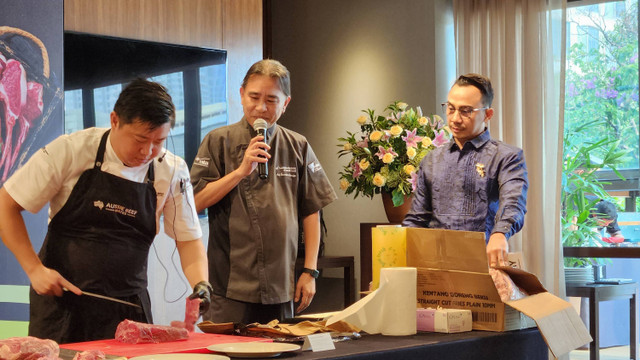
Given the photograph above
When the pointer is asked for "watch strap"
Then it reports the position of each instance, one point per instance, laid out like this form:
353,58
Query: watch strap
313,272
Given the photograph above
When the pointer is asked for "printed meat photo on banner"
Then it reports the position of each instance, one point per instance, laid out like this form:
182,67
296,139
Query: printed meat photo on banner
29,91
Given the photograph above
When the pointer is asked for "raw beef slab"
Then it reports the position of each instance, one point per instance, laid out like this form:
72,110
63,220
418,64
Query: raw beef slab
132,332
28,348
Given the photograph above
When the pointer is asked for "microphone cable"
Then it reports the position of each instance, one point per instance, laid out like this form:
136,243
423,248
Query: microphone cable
186,285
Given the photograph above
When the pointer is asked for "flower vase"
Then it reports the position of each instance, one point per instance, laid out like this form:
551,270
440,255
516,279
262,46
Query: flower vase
395,214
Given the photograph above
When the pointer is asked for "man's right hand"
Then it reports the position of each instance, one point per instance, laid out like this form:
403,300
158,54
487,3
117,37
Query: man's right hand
46,281
256,152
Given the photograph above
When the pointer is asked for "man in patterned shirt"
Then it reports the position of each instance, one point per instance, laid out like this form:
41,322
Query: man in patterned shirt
473,183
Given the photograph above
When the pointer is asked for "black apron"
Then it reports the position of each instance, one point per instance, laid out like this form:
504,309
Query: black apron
99,241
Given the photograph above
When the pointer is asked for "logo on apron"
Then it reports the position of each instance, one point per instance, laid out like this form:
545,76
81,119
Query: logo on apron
116,208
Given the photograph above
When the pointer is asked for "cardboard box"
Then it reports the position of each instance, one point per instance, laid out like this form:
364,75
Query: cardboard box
453,273
443,320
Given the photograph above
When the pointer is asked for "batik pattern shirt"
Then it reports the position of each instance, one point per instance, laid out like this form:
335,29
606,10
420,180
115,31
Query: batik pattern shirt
481,187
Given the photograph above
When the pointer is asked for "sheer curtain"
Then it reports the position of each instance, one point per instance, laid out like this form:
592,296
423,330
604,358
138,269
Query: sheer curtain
519,45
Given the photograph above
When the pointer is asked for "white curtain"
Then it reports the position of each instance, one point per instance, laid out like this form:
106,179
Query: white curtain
519,45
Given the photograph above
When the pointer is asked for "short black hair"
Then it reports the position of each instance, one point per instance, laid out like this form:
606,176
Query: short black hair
605,210
481,82
145,101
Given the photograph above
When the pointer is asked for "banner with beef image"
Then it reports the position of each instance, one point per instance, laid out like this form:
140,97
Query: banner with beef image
31,116
29,93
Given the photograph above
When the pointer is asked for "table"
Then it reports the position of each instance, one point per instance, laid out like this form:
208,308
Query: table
525,344
346,262
602,252
605,292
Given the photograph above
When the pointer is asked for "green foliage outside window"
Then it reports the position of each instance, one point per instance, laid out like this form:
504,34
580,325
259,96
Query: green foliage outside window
602,82
601,114
582,159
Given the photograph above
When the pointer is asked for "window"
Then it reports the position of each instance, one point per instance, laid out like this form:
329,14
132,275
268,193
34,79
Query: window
214,104
72,111
98,67
173,82
104,99
601,94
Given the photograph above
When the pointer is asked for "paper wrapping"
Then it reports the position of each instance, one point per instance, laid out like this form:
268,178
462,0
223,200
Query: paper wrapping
390,310
388,249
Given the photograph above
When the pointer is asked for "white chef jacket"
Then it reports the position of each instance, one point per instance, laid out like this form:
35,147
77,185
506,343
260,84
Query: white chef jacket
52,172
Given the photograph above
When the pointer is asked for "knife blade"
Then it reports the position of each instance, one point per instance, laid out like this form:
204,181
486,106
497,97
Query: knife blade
104,297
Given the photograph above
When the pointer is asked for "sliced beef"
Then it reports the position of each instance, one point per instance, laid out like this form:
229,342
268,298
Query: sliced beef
28,348
90,355
132,332
191,315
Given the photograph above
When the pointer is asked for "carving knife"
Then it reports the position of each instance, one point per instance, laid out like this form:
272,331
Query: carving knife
104,297
110,299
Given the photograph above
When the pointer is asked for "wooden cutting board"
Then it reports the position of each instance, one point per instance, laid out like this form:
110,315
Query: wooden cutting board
197,343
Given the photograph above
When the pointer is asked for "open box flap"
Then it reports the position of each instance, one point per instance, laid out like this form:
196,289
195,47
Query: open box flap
560,325
447,250
526,281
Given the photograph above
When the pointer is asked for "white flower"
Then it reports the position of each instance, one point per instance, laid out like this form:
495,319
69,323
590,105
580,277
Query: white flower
402,105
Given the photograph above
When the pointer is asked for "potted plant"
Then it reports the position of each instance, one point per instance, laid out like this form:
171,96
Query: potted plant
384,156
581,189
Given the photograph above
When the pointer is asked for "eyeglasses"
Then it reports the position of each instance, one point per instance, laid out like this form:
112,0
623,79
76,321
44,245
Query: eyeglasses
464,111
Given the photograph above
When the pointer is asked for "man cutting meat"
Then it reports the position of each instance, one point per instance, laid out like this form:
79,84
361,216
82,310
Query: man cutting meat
107,190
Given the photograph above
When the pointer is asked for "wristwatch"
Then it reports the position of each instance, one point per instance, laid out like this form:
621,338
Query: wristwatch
313,272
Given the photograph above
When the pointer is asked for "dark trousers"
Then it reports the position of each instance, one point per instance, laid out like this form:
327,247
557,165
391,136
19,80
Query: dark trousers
228,310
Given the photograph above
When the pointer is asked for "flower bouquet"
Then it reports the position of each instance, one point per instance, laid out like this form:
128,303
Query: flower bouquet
387,151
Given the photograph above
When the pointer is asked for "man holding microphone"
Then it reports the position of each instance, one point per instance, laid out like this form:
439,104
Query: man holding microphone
253,215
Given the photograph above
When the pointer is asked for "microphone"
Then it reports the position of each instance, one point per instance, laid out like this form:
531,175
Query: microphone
260,125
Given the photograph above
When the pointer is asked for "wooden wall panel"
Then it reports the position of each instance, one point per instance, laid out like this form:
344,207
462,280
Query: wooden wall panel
244,44
188,22
234,25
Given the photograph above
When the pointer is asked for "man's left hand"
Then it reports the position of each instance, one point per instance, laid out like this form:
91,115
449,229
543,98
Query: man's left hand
497,250
305,290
